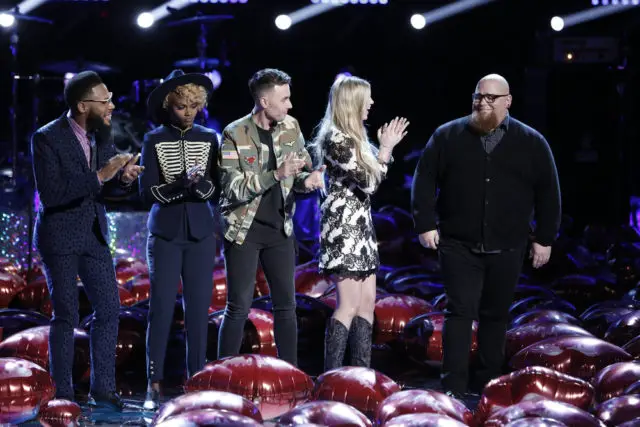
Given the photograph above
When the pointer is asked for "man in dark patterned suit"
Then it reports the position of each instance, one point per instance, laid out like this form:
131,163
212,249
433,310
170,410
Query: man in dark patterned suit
73,158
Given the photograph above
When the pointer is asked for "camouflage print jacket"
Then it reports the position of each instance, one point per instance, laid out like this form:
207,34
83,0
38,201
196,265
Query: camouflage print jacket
243,164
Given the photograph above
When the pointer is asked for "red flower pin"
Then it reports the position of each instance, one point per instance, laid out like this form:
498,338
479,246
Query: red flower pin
250,160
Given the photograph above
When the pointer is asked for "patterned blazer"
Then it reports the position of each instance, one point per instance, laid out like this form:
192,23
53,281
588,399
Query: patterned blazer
167,153
68,187
243,161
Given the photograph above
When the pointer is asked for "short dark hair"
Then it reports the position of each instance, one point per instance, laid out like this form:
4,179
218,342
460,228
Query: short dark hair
79,86
266,79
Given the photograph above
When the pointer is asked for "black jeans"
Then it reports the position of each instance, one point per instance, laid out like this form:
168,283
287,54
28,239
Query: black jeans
478,287
278,263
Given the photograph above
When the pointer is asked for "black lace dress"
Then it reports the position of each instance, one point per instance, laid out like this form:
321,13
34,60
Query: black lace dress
348,245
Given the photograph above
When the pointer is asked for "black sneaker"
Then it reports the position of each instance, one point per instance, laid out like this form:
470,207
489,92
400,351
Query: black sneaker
111,401
151,401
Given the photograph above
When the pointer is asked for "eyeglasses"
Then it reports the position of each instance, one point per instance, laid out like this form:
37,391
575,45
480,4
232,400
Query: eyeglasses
491,98
104,102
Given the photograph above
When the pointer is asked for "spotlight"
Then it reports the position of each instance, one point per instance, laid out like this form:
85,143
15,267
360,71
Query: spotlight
145,20
557,23
283,22
418,21
7,20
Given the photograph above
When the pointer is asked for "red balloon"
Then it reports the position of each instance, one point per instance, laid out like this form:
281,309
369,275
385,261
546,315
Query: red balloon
128,268
536,422
624,329
620,410
60,413
533,383
324,414
525,335
31,296
422,401
423,338
10,266
542,316
24,387
393,312
633,388
633,347
207,400
598,321
310,282
614,379
260,335
273,384
10,285
139,286
209,417
416,285
127,299
219,294
559,411
262,288
423,420
362,388
33,345
580,357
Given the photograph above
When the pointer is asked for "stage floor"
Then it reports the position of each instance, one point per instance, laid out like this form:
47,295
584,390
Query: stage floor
133,415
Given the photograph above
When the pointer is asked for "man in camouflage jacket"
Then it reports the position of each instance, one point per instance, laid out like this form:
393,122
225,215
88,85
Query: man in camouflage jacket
262,159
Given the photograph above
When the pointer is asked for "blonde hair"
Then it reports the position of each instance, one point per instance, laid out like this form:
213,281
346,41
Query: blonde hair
192,93
347,100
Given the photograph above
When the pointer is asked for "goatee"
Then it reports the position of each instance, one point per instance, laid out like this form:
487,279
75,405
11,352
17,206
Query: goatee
484,123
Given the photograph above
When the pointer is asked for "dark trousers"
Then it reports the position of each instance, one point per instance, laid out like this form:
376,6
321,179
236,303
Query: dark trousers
169,260
278,263
94,265
478,287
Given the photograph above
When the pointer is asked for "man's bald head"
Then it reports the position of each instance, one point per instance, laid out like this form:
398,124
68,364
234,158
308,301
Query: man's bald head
496,82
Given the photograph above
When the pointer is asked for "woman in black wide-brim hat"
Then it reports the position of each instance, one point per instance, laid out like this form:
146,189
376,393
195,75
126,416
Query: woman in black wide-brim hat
180,181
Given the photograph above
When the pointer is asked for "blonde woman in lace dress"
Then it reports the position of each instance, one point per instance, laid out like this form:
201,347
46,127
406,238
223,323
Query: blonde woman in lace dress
348,247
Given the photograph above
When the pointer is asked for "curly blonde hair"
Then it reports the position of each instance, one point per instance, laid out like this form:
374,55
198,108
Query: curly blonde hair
190,92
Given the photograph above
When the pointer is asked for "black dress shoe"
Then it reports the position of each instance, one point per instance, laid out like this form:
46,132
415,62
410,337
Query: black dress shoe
152,400
111,401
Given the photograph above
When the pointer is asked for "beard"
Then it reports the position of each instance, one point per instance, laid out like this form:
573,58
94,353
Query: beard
484,122
102,130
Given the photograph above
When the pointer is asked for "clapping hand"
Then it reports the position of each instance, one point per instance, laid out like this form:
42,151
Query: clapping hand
390,134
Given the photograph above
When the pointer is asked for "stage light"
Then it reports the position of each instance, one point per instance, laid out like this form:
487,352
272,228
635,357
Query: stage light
418,21
145,20
7,20
215,77
557,23
283,22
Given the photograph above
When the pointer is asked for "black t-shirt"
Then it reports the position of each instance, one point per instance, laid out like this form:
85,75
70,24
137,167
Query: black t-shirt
268,223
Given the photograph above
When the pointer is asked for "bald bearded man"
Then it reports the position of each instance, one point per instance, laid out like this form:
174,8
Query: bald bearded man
479,182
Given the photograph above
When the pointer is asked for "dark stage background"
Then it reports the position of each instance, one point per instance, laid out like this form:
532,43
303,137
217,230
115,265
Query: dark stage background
588,111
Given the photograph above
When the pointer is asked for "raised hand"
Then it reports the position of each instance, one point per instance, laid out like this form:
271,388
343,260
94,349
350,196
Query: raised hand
390,134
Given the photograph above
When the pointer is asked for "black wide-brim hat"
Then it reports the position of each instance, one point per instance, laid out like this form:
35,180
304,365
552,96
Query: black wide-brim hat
174,79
